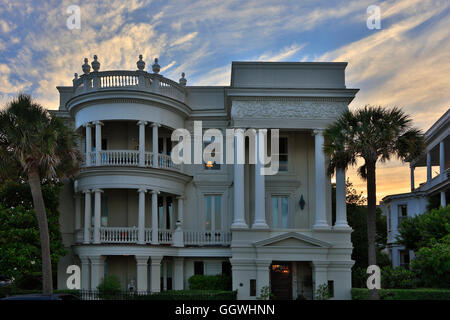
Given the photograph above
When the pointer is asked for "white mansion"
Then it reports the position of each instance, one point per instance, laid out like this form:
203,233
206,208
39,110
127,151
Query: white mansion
397,207
133,213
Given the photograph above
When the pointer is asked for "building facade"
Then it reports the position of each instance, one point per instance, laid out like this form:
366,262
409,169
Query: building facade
131,211
397,207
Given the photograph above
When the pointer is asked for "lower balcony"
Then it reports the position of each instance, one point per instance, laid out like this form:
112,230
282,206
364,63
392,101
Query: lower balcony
130,235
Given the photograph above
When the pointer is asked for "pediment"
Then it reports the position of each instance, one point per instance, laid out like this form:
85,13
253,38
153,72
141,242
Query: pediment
292,239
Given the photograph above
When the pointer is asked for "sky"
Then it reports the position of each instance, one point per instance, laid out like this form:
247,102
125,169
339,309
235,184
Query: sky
405,63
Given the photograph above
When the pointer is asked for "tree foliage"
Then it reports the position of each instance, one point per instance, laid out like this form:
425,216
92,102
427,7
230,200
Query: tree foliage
417,232
20,256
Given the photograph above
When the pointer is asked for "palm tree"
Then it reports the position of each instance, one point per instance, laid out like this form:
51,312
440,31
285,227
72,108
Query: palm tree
42,147
374,134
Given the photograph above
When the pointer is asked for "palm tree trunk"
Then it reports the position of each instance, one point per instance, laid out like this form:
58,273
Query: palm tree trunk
41,216
371,219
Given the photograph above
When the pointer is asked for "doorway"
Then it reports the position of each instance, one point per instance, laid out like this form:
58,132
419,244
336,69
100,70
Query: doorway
281,280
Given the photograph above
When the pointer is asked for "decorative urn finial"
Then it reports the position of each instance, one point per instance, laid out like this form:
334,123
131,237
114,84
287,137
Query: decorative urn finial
75,76
183,80
141,63
95,64
86,67
156,67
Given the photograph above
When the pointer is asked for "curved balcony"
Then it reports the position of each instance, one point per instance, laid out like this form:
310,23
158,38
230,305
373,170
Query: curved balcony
128,80
118,158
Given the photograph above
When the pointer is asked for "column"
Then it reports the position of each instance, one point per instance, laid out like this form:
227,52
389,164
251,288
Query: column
442,157
87,216
77,211
141,125
341,205
98,142
155,144
320,274
155,273
428,166
443,199
178,273
164,275
411,168
239,158
84,273
88,143
97,270
262,274
141,273
178,237
155,217
141,222
97,214
260,196
320,220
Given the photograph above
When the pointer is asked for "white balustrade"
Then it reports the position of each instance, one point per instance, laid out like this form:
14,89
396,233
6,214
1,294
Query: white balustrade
165,236
201,238
118,234
148,235
148,159
119,157
128,80
165,161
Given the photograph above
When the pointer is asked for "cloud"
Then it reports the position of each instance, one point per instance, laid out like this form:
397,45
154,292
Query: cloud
283,55
184,39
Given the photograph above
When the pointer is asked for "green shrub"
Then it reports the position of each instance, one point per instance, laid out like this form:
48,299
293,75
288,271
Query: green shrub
322,292
403,294
216,282
398,278
110,285
432,264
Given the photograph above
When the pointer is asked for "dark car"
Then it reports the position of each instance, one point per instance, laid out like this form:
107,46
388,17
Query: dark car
38,296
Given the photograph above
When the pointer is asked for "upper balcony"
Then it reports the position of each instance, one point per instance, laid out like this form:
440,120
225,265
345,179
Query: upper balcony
138,80
125,95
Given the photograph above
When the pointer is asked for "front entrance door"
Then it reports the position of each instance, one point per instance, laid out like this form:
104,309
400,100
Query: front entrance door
281,280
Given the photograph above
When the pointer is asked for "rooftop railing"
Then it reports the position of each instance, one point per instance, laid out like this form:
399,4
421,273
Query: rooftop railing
138,80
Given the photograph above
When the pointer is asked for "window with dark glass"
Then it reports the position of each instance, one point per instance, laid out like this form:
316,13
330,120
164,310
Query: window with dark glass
283,154
198,267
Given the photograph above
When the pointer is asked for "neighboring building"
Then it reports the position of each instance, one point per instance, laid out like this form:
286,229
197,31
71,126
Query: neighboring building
400,206
132,212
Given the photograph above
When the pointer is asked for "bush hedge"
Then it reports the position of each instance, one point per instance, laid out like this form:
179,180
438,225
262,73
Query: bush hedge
204,282
403,294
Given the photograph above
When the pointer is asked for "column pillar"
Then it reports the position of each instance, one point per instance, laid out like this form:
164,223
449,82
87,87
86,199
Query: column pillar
141,273
164,275
320,219
87,216
341,205
142,125
97,214
97,270
320,274
443,199
411,168
428,166
84,273
155,127
77,211
260,196
155,217
178,237
262,274
141,222
98,142
178,273
239,203
442,157
88,143
155,273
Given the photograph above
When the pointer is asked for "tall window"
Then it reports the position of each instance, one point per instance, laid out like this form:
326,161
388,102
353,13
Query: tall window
211,165
213,212
402,213
165,212
280,212
283,154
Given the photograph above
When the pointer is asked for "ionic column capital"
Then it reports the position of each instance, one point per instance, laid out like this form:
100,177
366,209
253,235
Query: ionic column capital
142,123
97,190
87,191
98,123
88,124
142,190
155,192
155,124
316,132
